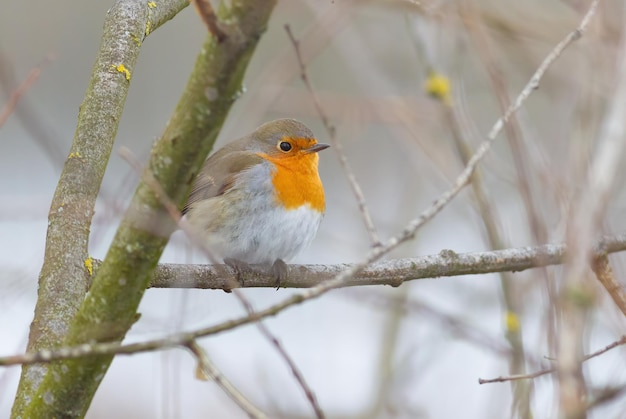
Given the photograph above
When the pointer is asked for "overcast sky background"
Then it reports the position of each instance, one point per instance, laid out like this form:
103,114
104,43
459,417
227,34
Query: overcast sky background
362,59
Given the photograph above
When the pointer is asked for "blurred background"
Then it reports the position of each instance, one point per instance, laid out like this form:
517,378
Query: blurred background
373,352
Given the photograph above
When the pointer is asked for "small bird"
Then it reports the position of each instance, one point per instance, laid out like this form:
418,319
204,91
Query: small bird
260,199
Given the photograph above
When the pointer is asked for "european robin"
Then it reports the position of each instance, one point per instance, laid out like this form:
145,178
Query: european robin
260,199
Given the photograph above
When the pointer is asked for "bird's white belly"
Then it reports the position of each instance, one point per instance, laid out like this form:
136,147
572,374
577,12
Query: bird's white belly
264,236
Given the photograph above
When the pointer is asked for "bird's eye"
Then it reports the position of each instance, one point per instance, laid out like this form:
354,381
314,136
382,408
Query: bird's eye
284,146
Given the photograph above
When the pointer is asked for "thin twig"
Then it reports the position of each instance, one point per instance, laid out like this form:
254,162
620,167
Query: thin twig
21,89
604,273
602,396
206,12
354,184
455,325
206,366
283,353
620,342
489,216
510,297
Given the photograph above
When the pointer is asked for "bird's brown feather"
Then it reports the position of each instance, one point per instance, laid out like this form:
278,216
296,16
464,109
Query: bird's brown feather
218,173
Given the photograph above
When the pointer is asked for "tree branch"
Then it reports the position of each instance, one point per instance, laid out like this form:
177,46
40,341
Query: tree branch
204,8
20,90
604,273
208,371
63,280
585,220
110,308
330,129
621,341
392,272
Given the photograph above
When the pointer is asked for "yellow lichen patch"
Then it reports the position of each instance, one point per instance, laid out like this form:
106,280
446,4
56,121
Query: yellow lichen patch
74,155
136,39
121,68
89,265
438,86
151,5
512,322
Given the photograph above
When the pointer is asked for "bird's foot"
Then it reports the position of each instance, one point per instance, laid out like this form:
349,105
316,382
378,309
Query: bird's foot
240,267
279,270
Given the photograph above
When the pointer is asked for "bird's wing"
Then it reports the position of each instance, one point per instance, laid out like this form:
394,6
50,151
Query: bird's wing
218,174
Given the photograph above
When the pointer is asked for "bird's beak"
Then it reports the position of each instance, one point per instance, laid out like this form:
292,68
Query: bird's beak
316,148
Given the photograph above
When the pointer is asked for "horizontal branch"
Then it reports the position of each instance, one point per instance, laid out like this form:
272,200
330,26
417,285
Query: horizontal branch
390,272
621,341
446,263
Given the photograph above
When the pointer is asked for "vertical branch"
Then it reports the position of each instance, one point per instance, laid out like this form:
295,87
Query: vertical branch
538,228
63,278
513,330
583,226
438,86
109,309
391,337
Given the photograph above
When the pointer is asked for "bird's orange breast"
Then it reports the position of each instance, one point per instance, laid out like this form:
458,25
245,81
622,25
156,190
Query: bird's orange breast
297,181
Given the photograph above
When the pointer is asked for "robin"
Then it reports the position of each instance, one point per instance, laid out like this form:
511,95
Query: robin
260,200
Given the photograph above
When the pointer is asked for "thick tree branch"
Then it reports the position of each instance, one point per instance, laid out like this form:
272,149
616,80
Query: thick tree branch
109,309
63,279
393,272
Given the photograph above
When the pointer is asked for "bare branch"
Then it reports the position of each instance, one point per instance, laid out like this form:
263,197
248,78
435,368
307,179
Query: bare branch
456,326
21,90
620,342
211,372
602,268
206,12
354,184
588,211
446,263
308,392
110,310
63,280
392,272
